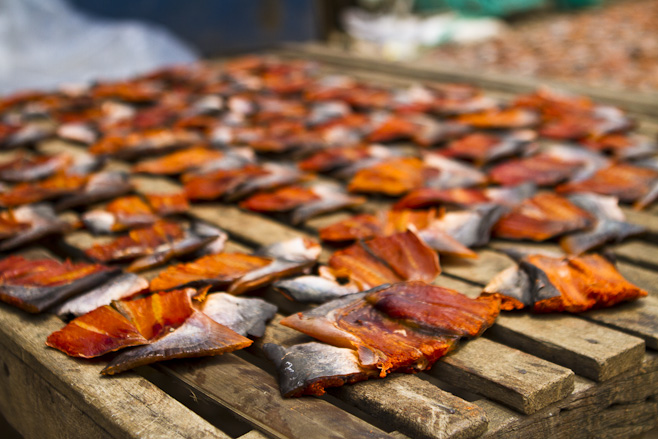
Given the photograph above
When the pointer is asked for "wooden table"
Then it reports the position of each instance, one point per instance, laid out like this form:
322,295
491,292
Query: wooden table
592,375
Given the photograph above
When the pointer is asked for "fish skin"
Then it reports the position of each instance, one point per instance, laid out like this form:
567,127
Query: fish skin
34,169
289,258
278,175
313,289
43,222
199,336
332,198
452,173
245,316
472,227
542,217
309,368
610,226
101,186
36,299
120,287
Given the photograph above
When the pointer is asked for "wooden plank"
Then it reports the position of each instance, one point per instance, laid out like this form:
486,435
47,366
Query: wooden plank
405,402
514,378
623,406
125,406
253,394
639,318
638,252
592,351
35,409
416,407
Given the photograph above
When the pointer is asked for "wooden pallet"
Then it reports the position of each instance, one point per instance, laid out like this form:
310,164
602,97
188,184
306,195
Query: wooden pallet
553,376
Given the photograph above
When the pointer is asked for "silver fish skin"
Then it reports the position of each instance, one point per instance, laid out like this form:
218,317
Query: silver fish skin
453,173
168,251
39,299
101,186
203,230
611,225
294,250
199,336
332,198
513,143
471,227
511,196
301,366
511,282
27,135
612,120
313,289
647,162
35,172
641,147
82,133
590,161
234,158
117,288
431,131
246,316
279,175
43,222
326,111
291,257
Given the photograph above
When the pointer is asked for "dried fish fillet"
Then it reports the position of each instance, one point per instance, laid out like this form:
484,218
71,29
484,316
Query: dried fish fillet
402,327
546,283
36,285
542,217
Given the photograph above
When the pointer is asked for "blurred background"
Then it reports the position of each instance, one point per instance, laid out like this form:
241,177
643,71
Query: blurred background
604,43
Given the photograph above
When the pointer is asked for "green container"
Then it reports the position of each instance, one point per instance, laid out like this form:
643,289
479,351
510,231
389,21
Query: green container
495,8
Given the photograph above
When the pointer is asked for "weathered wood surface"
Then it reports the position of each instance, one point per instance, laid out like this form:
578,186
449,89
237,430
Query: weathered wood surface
253,395
514,378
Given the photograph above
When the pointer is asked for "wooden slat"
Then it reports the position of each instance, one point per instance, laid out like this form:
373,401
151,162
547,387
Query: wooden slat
638,318
592,351
253,394
405,402
638,252
514,378
624,406
125,406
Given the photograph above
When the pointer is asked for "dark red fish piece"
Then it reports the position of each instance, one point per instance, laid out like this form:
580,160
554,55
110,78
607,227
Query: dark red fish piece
542,217
573,284
627,182
151,246
389,259
429,197
216,184
25,168
302,202
27,224
138,144
56,186
333,158
541,169
134,211
482,148
36,285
